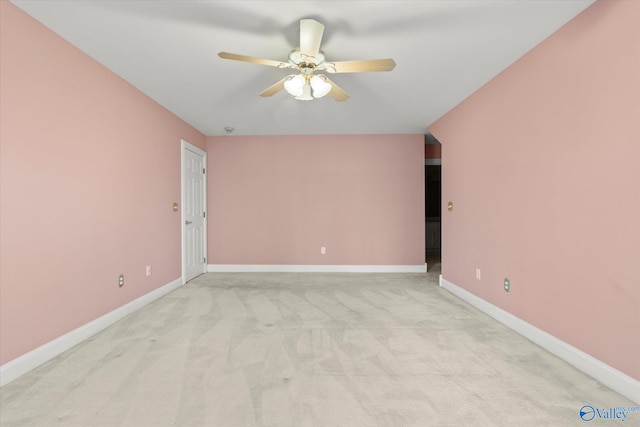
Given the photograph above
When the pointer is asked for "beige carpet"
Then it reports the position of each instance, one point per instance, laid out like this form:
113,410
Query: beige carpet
305,350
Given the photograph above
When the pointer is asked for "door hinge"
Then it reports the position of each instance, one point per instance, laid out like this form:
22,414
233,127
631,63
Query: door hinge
204,214
204,170
205,260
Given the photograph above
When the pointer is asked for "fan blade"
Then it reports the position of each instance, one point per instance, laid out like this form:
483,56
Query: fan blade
244,58
336,91
361,66
275,88
310,36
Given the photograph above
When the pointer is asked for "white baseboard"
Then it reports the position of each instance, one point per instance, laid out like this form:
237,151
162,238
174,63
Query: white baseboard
279,268
607,375
23,364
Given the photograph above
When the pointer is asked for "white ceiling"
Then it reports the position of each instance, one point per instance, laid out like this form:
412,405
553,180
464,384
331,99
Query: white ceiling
444,50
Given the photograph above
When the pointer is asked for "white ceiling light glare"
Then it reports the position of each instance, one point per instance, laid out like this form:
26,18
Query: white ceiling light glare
294,85
320,86
306,93
306,87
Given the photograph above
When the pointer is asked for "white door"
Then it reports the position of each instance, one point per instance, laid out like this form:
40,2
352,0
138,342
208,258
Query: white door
193,212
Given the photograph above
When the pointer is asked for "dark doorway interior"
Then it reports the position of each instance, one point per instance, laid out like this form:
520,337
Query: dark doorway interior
432,209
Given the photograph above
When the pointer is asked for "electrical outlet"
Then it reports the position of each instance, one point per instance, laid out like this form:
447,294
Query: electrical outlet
148,270
121,280
478,274
323,250
507,285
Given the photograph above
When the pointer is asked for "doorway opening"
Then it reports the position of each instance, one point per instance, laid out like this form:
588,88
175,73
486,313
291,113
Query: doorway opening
433,202
432,209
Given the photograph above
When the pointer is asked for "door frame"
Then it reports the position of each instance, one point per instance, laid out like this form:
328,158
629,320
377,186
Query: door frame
184,146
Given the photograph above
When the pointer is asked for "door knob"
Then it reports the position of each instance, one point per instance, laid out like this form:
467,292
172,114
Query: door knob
187,222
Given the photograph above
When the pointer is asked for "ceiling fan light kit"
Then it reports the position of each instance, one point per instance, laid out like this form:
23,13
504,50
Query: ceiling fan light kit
307,87
307,59
294,84
320,86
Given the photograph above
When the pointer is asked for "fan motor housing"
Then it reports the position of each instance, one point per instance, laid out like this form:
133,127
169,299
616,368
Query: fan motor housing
298,59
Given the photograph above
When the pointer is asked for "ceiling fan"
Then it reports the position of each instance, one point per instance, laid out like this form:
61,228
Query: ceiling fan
308,59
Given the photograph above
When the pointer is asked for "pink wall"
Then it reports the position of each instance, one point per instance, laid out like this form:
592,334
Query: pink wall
90,168
278,199
543,167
